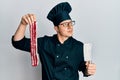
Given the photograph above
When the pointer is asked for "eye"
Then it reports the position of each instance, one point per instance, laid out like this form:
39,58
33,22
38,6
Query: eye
65,24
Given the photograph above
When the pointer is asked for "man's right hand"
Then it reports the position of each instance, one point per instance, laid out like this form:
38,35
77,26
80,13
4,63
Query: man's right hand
28,19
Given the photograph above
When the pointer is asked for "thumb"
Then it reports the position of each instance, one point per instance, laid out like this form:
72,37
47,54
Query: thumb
87,63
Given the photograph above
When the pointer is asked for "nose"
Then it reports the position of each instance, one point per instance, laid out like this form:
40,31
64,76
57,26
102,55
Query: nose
70,26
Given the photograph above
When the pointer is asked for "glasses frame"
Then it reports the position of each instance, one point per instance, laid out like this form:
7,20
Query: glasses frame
66,24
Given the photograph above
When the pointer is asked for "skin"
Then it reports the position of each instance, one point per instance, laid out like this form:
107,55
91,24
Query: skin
63,33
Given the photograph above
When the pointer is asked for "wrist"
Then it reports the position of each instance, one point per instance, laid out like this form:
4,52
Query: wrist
22,25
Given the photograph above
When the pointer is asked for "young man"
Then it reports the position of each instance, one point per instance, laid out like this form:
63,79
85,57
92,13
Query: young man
61,55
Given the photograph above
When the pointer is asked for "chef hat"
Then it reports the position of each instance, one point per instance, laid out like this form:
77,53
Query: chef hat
59,13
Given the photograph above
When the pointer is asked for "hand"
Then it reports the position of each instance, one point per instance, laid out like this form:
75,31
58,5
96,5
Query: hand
25,20
28,19
91,68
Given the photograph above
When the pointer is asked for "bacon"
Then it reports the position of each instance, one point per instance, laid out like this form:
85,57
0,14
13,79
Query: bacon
33,43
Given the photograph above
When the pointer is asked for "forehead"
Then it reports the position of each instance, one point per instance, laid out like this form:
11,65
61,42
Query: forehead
66,21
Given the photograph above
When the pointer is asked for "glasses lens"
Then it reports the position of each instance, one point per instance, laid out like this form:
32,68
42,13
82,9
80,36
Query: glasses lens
72,23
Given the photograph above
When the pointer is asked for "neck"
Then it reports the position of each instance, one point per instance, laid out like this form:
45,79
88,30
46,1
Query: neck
62,39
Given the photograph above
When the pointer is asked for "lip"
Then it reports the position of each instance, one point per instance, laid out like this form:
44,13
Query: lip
69,31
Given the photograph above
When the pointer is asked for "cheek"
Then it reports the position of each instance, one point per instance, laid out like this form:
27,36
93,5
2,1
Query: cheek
63,30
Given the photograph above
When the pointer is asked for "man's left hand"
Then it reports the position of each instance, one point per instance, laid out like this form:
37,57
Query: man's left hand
90,68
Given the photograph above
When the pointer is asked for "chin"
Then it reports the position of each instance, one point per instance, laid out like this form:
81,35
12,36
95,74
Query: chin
69,35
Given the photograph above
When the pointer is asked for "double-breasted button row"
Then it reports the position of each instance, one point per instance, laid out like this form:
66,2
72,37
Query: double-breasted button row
65,57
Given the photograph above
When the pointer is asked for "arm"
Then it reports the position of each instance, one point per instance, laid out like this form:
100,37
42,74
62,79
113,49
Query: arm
25,20
18,40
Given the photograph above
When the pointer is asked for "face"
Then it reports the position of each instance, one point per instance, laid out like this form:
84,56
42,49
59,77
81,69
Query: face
65,28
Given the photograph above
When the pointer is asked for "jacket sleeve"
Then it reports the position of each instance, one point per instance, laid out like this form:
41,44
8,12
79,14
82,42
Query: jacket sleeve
23,44
83,69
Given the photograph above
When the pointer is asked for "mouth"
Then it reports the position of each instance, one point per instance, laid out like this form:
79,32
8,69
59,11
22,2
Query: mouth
69,30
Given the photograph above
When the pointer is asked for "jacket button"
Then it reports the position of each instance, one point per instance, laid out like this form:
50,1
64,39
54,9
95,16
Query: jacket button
58,44
65,68
57,56
66,57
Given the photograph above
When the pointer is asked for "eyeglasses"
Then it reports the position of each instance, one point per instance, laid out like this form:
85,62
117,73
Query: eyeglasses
66,24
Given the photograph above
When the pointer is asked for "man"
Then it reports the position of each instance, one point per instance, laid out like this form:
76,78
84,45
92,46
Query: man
61,55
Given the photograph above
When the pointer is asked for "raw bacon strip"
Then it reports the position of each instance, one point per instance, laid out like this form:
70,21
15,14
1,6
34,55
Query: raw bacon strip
33,43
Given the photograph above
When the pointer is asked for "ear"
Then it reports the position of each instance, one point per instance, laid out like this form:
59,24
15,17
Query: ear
56,28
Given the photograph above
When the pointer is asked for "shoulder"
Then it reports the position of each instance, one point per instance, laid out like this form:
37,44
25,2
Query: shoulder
77,42
45,39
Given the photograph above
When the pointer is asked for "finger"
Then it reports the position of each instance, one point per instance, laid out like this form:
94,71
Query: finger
92,66
24,21
31,16
91,71
34,17
28,19
87,62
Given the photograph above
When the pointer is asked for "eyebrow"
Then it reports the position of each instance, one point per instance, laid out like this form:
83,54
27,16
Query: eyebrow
65,22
